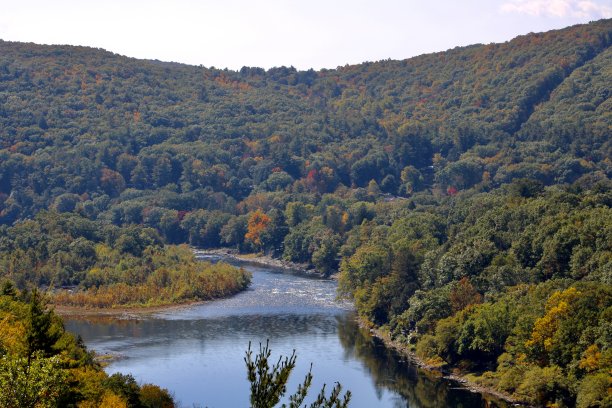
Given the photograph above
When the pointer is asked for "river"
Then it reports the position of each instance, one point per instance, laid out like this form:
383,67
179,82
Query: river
198,352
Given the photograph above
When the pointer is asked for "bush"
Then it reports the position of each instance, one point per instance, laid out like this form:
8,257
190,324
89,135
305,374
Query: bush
594,391
542,385
152,396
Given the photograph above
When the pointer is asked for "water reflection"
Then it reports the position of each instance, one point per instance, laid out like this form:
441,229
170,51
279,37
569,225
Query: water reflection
390,371
198,352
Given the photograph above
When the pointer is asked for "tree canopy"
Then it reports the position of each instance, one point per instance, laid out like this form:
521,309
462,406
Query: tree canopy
464,195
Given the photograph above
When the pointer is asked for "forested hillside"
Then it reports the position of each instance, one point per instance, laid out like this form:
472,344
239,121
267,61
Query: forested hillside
463,195
43,365
81,121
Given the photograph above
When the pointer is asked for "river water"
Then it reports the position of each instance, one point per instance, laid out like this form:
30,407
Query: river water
198,352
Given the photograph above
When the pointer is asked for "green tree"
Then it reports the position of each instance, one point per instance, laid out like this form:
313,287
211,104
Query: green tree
368,263
8,288
65,202
33,382
594,391
296,212
326,251
40,335
126,386
269,384
233,232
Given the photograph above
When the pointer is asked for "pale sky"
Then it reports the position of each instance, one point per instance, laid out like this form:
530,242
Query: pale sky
305,33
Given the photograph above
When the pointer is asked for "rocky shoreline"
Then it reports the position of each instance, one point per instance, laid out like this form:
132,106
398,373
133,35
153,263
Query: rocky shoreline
264,260
443,372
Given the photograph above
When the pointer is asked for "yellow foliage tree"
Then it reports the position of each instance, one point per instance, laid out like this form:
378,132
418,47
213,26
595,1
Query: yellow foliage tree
590,359
111,400
558,306
12,334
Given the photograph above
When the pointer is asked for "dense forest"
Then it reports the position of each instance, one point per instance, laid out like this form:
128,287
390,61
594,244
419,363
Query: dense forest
88,264
464,196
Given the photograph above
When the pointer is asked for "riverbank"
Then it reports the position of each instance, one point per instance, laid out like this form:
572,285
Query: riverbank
137,312
265,260
262,260
442,372
121,312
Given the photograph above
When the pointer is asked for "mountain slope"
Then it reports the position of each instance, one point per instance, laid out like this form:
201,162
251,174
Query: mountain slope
463,195
579,112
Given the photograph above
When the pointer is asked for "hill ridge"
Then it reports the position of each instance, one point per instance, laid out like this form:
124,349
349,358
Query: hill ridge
79,104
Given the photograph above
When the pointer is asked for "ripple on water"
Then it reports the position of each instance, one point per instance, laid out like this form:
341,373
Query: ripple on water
271,292
198,352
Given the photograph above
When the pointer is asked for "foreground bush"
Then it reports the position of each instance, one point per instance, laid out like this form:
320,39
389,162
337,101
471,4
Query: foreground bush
43,366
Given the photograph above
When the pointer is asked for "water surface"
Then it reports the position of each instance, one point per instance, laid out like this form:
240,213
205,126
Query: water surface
198,352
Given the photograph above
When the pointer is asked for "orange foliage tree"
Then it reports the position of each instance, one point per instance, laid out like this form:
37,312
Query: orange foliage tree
464,294
258,222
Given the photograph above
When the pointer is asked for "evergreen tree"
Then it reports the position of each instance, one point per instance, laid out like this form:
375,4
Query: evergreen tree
269,384
40,335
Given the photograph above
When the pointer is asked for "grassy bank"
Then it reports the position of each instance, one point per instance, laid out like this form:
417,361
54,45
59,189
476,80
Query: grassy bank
160,277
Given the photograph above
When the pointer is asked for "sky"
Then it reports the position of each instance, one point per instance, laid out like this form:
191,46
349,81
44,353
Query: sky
301,33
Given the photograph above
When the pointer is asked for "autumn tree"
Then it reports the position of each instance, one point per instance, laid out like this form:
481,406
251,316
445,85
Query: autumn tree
463,294
111,182
543,338
256,227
